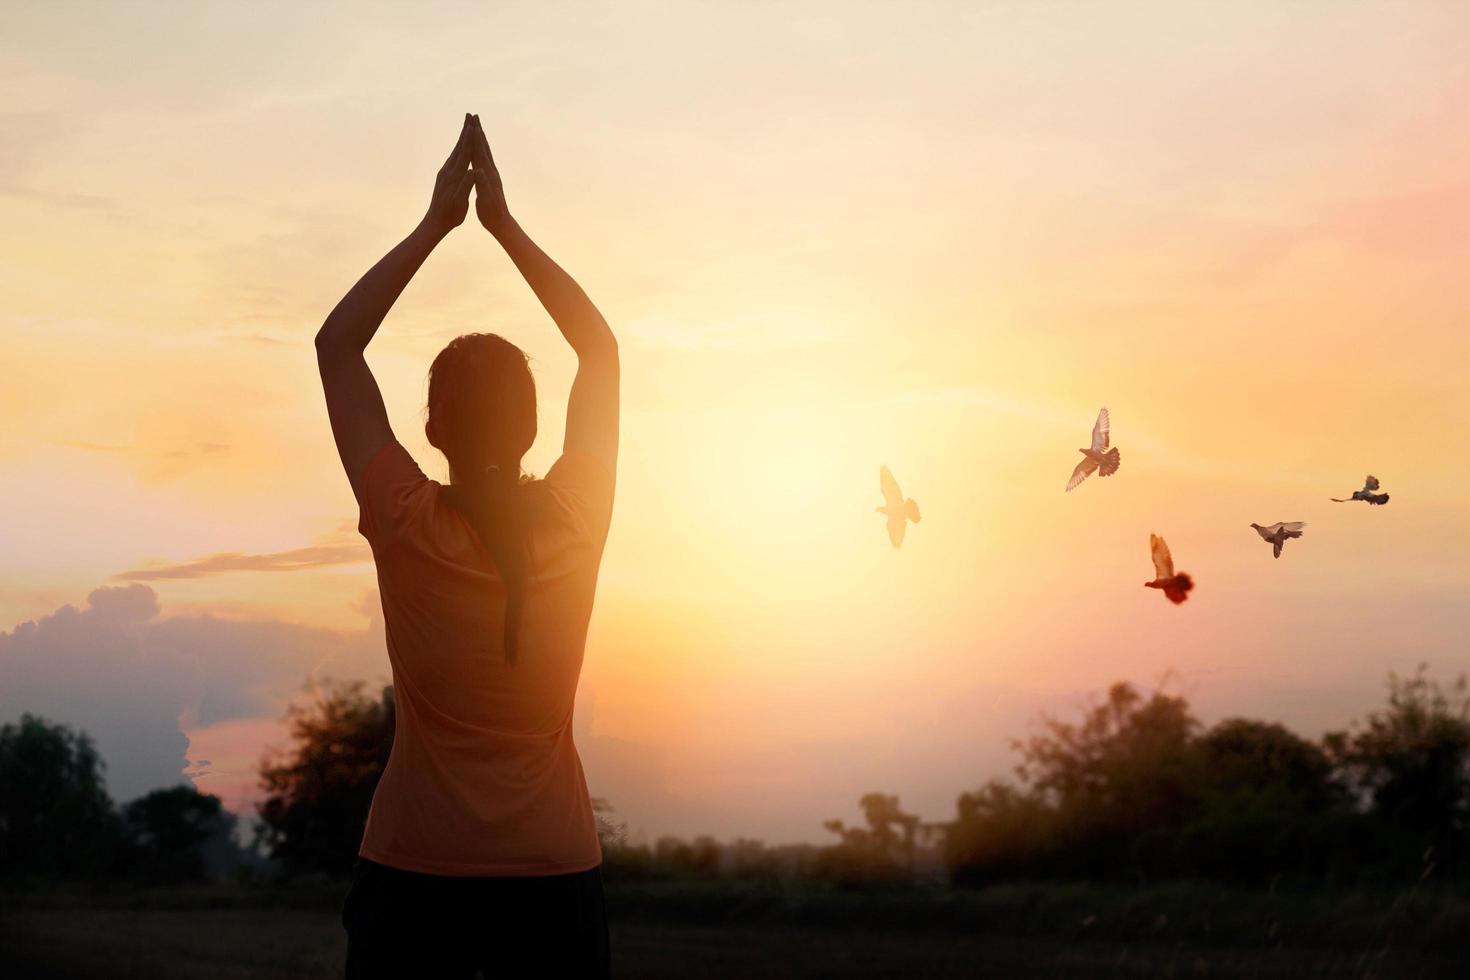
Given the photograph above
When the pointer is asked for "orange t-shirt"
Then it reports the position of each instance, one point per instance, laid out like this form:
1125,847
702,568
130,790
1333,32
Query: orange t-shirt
483,778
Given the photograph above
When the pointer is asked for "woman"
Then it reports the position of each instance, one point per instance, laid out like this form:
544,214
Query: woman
481,850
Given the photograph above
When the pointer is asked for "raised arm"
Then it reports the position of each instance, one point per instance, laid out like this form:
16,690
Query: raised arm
354,404
592,408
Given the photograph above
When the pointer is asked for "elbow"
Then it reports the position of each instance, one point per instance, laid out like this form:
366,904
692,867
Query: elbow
602,350
330,342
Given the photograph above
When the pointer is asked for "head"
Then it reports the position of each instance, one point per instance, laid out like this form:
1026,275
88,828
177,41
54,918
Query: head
482,417
482,405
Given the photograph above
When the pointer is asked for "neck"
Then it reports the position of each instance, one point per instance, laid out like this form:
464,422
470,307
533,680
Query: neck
468,475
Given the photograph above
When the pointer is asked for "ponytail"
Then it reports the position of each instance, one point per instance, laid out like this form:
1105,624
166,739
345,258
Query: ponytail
493,503
482,416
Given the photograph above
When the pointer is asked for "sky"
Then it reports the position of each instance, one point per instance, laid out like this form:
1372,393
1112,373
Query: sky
936,236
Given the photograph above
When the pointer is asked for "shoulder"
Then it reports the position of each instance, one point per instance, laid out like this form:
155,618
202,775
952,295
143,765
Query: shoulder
581,486
577,471
391,462
395,492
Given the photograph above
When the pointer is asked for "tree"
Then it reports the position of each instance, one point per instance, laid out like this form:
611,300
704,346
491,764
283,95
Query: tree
1411,761
1134,789
881,851
56,819
171,833
318,792
1117,780
1408,766
999,831
1267,809
1244,756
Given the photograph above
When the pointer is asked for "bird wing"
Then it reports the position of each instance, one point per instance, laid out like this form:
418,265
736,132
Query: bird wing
1100,431
896,527
911,507
1371,483
1083,470
1163,561
1292,527
892,496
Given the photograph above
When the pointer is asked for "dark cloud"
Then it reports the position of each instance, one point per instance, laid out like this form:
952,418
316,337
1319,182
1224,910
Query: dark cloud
295,560
136,680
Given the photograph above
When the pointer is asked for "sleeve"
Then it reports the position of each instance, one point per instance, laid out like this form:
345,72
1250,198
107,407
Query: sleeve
584,485
392,493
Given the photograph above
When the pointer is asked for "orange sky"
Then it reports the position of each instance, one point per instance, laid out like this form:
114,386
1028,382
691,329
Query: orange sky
830,236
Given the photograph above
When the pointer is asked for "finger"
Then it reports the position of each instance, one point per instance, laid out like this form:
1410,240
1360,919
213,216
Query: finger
456,159
481,147
464,152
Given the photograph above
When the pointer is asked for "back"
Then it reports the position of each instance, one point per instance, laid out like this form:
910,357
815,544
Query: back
484,778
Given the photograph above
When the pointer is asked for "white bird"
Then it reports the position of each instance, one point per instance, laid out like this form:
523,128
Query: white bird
1098,456
1175,586
898,510
1277,534
1369,485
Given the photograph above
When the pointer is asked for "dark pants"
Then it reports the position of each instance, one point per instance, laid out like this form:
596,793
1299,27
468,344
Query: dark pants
406,924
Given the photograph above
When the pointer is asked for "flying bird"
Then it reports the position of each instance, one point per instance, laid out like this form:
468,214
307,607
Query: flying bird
1174,585
1369,485
1277,534
898,510
1097,457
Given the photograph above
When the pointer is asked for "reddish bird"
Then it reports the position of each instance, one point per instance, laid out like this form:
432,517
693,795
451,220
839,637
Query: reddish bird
1175,586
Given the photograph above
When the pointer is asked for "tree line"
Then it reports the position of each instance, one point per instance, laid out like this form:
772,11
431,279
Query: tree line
57,821
1135,789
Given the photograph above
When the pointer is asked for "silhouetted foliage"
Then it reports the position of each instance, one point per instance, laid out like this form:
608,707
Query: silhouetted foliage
999,831
881,852
1135,790
173,833
56,820
320,790
1411,761
1409,765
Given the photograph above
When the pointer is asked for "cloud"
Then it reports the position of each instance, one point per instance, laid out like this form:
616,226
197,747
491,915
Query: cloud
295,560
152,688
200,449
137,680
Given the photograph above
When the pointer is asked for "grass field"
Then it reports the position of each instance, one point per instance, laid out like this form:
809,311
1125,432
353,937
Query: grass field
719,929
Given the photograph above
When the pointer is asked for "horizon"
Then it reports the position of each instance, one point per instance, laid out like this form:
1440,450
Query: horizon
828,238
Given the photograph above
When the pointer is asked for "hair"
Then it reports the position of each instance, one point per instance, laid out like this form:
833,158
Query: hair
482,417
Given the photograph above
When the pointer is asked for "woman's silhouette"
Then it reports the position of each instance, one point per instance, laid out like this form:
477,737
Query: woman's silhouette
481,850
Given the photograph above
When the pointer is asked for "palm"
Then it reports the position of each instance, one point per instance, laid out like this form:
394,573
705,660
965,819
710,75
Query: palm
451,199
490,206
